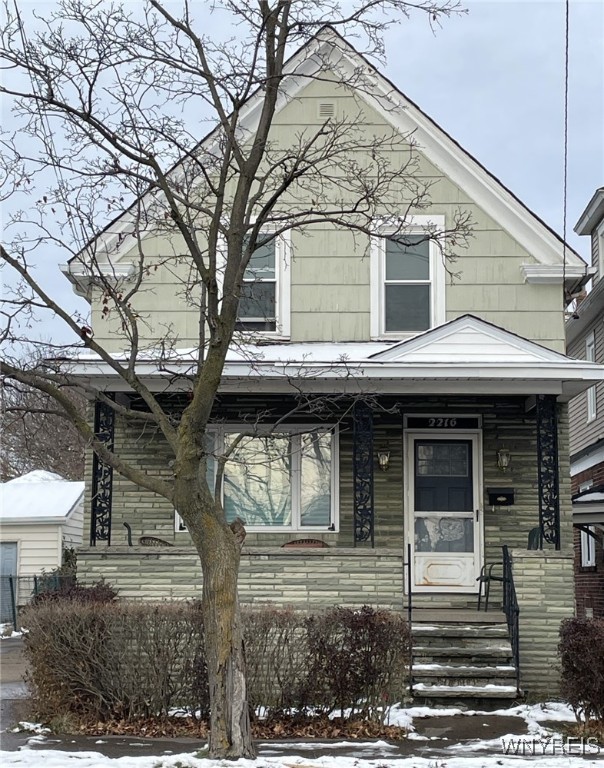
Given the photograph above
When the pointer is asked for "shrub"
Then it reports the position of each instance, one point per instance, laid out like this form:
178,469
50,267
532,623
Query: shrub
340,659
357,660
54,588
109,660
276,658
115,660
581,653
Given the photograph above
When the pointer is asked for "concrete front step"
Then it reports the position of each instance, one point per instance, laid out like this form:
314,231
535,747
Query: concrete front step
491,691
491,651
475,631
456,671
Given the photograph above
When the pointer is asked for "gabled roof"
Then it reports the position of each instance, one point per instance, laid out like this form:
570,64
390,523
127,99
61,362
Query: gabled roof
469,340
39,497
439,147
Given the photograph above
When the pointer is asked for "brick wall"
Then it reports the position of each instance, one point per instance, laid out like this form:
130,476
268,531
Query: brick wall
544,588
595,474
589,582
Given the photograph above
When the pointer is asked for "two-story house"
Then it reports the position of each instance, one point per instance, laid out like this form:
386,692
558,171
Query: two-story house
447,435
585,338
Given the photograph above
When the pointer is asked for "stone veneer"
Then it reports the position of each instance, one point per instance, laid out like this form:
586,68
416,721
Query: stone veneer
545,592
302,578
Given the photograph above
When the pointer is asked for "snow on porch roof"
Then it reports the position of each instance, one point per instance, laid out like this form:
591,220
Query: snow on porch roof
467,350
39,497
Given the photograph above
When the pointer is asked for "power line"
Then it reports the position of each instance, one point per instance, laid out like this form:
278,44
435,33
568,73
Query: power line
565,161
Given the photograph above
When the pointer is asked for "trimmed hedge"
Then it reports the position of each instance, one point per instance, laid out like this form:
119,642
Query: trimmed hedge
125,661
581,651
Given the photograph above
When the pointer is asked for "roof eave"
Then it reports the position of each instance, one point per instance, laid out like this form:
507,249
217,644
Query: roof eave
592,215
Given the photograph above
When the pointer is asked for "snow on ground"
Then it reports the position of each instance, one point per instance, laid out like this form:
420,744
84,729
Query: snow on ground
6,631
532,714
50,759
541,748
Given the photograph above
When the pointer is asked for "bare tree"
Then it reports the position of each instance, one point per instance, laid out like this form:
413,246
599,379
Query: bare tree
109,101
36,433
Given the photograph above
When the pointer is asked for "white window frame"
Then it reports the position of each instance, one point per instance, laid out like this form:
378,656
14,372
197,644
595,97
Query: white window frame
588,548
283,264
590,355
219,434
414,225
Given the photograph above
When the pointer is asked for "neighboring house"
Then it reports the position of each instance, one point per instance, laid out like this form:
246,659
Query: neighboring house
461,449
40,514
585,339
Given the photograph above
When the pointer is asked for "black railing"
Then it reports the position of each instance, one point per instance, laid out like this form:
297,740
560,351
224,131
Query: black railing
18,591
512,612
407,574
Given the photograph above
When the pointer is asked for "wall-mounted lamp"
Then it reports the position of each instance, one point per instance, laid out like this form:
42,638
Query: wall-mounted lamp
503,459
383,458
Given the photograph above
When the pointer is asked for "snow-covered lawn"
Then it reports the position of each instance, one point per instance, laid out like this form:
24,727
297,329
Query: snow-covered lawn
540,748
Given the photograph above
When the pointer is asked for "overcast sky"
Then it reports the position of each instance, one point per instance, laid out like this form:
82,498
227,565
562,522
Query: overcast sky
494,80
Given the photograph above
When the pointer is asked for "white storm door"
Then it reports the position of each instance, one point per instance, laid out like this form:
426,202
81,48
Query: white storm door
444,521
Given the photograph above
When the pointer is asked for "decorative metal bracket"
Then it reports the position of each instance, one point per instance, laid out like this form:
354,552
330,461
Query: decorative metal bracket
102,476
547,462
362,468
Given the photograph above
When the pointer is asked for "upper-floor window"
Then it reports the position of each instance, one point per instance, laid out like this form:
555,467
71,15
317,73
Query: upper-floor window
264,305
590,354
407,279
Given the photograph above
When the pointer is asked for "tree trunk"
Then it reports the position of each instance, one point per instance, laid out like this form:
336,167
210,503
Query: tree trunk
230,734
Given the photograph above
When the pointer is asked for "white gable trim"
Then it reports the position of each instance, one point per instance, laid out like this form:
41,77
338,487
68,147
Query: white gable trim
484,333
456,163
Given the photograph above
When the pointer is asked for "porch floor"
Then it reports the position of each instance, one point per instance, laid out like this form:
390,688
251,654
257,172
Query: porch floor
457,616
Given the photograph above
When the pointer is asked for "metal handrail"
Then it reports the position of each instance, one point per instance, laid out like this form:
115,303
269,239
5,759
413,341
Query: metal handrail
512,612
407,568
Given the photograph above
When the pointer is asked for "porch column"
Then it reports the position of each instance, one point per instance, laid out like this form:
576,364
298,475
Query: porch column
547,462
102,476
362,470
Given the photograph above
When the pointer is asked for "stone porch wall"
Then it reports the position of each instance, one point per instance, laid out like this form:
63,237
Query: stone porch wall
545,592
302,578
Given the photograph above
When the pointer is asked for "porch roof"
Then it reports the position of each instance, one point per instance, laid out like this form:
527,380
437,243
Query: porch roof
464,356
588,507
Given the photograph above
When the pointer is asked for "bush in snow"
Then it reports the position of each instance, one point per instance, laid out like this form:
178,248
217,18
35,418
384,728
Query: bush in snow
581,652
127,661
115,660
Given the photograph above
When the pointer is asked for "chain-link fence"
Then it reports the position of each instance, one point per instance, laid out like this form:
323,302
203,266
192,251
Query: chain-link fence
17,591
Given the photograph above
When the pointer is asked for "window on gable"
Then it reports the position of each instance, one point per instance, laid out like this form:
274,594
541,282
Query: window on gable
590,354
407,279
258,302
588,548
407,284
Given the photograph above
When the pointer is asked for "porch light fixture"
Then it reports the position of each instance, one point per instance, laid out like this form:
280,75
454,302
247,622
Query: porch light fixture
503,459
383,458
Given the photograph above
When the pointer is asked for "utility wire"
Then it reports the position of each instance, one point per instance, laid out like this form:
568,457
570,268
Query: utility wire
565,161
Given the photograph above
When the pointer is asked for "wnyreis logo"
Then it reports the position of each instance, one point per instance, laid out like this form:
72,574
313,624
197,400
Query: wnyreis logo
553,745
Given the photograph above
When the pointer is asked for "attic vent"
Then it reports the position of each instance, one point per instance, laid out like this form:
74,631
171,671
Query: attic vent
326,109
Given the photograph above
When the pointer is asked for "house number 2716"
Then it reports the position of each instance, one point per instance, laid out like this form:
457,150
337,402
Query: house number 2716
442,422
